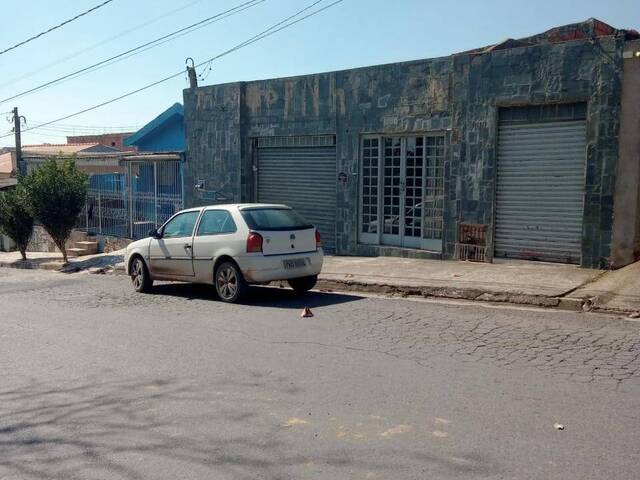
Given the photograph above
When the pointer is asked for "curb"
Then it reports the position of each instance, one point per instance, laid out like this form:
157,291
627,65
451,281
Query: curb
544,301
58,266
472,294
31,265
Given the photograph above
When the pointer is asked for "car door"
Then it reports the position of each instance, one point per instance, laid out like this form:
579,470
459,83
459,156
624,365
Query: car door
216,232
171,255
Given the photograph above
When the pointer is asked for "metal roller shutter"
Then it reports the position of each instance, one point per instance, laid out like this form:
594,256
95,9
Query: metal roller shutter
540,191
305,179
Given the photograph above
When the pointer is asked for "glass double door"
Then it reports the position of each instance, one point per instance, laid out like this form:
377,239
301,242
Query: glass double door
403,191
402,187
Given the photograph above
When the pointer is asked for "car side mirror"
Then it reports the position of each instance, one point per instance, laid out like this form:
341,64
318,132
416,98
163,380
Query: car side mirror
154,233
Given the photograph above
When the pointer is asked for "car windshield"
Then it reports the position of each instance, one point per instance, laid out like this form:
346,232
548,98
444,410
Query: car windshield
272,218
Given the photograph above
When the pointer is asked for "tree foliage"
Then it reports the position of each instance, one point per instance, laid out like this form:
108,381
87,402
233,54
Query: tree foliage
57,191
16,220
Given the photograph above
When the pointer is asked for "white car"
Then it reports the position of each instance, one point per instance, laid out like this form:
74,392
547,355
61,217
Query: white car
231,247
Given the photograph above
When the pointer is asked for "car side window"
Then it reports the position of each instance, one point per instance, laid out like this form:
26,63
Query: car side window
215,222
181,225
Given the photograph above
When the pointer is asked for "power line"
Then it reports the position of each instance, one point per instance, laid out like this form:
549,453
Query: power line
87,128
265,33
140,48
99,44
46,135
55,27
85,131
72,125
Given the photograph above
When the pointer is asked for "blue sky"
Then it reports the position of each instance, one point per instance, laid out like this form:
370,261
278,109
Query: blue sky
351,34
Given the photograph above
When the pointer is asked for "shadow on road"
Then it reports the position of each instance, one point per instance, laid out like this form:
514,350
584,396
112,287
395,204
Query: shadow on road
258,296
181,428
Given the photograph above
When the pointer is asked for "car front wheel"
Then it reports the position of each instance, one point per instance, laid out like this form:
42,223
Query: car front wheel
303,284
140,277
230,283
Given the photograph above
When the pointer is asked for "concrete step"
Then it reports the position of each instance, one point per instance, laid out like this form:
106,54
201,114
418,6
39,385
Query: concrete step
89,246
76,252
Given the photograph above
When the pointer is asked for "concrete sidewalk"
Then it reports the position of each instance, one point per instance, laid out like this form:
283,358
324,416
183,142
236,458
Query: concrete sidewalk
513,281
53,261
617,291
533,283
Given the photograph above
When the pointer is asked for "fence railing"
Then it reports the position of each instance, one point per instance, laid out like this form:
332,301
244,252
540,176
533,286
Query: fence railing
130,204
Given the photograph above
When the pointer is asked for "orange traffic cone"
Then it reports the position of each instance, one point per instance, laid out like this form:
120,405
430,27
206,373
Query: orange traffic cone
306,313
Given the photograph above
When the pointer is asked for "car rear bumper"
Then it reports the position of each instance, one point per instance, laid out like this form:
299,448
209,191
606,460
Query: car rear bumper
260,268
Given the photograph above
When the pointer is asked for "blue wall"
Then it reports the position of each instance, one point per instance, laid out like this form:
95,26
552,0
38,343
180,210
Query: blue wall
165,133
169,137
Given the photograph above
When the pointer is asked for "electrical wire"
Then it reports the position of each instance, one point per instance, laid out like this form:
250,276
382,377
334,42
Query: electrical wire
266,33
140,48
86,130
70,125
55,27
35,132
98,44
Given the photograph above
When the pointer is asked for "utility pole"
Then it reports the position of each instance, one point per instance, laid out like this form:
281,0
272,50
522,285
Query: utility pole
16,131
191,73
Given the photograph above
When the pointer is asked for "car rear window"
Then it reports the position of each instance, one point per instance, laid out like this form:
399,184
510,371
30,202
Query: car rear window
274,219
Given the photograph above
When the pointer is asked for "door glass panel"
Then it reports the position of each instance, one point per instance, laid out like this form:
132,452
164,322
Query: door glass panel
370,157
180,225
413,187
434,188
391,186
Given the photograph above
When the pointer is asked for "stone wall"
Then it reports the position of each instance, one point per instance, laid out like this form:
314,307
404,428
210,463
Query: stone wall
459,95
42,242
626,229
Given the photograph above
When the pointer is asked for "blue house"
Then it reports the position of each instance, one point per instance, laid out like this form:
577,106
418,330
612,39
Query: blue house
165,133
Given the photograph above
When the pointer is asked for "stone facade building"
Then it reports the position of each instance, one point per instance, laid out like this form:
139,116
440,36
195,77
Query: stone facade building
515,150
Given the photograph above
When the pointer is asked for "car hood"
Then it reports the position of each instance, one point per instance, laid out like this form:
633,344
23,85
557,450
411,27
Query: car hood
138,244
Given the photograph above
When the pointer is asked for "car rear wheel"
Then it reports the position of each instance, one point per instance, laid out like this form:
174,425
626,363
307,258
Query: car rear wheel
142,281
303,284
230,283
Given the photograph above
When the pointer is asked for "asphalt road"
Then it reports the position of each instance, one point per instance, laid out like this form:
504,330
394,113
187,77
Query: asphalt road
97,382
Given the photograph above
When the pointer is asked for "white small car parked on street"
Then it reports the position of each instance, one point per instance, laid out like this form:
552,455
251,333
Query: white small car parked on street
231,247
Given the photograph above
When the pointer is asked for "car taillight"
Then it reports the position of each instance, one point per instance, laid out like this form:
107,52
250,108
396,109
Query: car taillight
254,242
318,239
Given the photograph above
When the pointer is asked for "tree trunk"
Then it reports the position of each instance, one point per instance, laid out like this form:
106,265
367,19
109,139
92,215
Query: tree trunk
61,244
23,252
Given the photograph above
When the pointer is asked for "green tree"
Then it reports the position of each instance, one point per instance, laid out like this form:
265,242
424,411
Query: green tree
16,220
57,191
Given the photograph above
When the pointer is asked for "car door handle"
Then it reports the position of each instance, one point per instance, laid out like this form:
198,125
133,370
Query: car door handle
187,246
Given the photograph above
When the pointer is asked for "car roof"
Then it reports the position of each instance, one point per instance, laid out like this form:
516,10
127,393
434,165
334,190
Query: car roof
244,206
238,206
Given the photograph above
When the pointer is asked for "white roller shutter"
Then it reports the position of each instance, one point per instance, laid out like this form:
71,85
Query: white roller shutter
540,191
305,179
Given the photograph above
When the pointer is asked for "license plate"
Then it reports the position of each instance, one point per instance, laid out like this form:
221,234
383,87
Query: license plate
295,263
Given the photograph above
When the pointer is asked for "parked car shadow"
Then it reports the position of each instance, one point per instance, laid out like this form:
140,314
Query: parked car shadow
267,296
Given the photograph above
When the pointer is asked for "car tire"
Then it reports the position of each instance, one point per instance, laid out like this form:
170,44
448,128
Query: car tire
230,284
142,281
303,284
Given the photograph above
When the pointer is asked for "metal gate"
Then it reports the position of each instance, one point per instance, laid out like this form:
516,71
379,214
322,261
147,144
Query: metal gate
132,202
540,191
301,172
155,194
